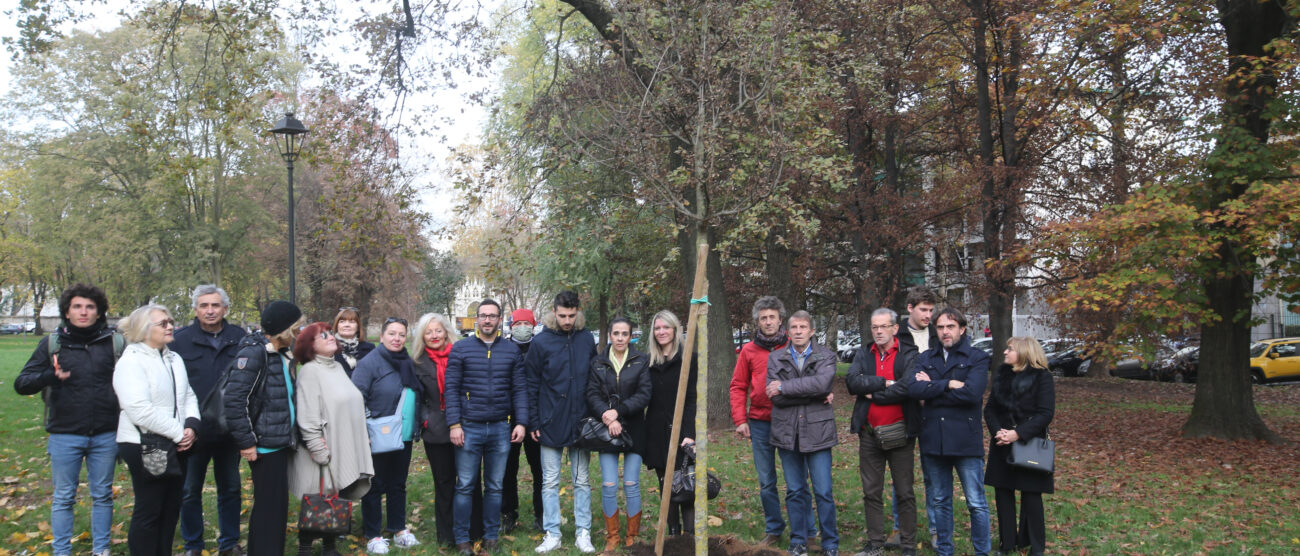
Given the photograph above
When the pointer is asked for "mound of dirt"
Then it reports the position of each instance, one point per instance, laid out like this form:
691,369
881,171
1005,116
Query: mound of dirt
718,546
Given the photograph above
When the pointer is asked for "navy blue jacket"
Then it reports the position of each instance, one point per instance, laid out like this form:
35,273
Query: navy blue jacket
380,384
258,410
951,419
558,365
485,382
207,357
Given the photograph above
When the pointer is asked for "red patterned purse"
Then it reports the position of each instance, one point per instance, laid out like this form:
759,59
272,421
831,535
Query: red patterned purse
325,513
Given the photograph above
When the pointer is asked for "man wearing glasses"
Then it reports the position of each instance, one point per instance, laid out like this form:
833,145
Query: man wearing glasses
208,346
484,389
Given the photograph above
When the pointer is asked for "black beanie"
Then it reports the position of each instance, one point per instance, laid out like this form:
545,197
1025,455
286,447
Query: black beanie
278,316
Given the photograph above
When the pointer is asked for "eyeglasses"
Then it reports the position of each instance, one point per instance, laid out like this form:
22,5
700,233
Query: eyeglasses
882,326
391,320
489,316
166,323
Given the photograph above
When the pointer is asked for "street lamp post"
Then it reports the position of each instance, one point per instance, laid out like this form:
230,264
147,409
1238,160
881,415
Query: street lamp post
288,137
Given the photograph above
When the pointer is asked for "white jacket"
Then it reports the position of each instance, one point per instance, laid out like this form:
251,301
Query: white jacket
144,380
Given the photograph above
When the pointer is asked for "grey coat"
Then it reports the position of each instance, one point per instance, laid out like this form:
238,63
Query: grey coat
802,421
332,421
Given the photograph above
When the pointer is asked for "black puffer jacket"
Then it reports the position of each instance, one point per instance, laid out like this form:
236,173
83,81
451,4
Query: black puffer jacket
257,398
84,403
632,386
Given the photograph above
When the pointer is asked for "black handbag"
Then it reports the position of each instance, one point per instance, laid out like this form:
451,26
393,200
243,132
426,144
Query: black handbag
683,488
1034,454
594,435
325,513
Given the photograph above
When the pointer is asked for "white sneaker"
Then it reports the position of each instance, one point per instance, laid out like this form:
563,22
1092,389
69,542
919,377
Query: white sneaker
404,539
551,542
584,542
377,545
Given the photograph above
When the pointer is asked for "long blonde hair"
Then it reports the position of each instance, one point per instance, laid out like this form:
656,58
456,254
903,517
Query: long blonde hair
656,355
1029,353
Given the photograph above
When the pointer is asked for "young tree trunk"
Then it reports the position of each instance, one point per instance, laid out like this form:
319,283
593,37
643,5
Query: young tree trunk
1224,406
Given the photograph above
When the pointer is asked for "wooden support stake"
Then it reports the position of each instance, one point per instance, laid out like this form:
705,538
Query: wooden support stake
699,290
702,435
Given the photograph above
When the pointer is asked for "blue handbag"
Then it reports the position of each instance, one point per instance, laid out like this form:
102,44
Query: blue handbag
386,432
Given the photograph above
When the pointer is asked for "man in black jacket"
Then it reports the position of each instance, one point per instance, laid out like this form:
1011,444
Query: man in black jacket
208,346
918,334
879,377
75,375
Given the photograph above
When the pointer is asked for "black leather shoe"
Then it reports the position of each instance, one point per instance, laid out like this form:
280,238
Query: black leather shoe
465,549
490,545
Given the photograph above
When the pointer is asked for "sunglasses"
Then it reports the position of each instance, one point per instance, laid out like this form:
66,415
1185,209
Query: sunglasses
391,320
166,323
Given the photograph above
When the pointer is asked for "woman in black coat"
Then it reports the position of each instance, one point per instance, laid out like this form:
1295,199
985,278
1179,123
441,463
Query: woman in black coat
618,390
665,372
1020,407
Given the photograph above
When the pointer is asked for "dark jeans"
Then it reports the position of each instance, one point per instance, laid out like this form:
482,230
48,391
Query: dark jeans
225,473
389,481
871,470
269,517
510,487
442,463
1032,530
157,506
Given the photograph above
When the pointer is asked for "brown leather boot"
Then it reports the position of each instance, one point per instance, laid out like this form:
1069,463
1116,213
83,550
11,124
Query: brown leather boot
611,533
633,528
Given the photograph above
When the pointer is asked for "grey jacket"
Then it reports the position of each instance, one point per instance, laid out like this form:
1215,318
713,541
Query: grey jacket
801,419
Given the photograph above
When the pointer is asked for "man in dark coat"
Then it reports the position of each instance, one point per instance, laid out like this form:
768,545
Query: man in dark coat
799,380
918,335
558,364
950,380
75,376
522,323
879,377
208,346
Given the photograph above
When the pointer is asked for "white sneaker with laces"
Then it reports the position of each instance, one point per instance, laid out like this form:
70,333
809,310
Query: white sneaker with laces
404,539
584,542
550,542
377,545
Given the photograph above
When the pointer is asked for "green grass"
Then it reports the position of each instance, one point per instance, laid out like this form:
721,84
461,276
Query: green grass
1119,490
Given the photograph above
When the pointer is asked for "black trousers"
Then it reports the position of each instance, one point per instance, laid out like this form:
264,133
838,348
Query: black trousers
1030,530
681,515
387,490
510,486
269,518
442,463
157,506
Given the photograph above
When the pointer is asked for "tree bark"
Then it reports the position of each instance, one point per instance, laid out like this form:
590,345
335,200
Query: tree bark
780,269
1224,406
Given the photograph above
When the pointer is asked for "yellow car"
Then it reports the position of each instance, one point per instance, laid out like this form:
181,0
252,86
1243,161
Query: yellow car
1274,359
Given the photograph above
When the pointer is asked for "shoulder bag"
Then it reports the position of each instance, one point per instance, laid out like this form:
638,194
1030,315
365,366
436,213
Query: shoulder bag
157,452
325,513
1034,454
386,432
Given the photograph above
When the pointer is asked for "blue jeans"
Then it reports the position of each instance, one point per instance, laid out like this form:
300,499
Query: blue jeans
798,467
578,462
66,453
938,491
760,435
225,473
486,444
609,477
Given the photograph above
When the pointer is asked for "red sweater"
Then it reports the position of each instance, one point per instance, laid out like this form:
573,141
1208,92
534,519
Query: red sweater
880,415
749,380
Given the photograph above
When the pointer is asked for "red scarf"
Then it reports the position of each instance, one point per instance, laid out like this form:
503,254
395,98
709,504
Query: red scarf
439,358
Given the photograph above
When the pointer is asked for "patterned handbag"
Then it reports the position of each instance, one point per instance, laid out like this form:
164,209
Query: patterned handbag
325,513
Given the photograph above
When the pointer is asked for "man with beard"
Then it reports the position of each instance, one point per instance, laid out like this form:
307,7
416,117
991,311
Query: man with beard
748,382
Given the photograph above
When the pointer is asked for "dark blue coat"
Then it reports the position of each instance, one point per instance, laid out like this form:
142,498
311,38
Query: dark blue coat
207,357
485,382
558,365
380,384
951,419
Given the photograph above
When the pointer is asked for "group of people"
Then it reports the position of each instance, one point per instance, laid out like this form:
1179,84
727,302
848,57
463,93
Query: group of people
300,401
926,386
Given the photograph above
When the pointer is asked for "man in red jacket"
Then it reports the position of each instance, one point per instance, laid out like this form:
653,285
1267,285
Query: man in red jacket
747,383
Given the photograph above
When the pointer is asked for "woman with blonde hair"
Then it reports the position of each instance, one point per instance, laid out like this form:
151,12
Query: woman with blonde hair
334,455
665,351
158,410
430,346
1020,406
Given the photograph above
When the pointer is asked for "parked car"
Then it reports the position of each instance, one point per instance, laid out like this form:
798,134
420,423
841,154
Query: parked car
1069,362
29,327
1179,367
11,329
849,348
1275,359
985,344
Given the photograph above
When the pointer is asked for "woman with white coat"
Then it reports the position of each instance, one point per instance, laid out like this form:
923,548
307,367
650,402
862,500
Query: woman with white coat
153,390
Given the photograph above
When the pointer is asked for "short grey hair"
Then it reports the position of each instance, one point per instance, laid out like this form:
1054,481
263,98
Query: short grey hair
893,315
208,289
135,327
768,302
804,316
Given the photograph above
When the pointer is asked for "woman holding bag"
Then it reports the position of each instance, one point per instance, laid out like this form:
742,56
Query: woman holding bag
156,427
334,456
665,371
618,391
387,381
1020,406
